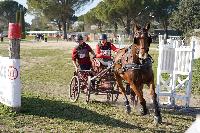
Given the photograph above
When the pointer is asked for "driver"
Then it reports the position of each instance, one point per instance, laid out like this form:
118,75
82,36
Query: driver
103,50
80,54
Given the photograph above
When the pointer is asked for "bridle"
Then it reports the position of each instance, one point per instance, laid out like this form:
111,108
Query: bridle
142,34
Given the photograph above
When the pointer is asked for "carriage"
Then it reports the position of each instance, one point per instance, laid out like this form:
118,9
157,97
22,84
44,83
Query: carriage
133,65
97,81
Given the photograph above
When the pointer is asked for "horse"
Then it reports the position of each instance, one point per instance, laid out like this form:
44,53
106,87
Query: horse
134,65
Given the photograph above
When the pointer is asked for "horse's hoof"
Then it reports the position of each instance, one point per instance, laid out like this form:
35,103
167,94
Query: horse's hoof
157,120
128,109
143,111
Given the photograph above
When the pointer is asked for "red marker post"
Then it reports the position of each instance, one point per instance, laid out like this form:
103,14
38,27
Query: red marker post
14,35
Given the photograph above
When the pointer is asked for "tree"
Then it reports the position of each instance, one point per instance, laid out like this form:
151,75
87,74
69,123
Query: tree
90,18
102,13
119,12
40,23
163,10
58,10
187,17
8,11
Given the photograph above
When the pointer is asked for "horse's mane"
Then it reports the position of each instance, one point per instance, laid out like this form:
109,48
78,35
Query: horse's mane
124,52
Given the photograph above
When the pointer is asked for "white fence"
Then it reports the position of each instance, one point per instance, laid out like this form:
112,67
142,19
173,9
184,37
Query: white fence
10,86
174,72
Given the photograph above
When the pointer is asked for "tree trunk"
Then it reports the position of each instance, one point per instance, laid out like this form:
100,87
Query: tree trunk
165,28
59,25
100,27
166,32
68,25
64,30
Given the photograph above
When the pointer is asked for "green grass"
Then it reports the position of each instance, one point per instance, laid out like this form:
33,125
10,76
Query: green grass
45,75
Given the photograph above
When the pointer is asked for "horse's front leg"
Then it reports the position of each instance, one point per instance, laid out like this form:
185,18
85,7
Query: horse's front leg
138,92
123,91
157,117
133,96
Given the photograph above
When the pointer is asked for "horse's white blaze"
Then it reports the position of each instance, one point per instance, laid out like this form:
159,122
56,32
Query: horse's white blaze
143,56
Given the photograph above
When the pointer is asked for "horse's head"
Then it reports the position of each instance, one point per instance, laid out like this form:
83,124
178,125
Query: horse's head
142,40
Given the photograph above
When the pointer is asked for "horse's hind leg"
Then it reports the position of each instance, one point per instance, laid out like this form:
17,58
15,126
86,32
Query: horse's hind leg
123,91
157,117
139,94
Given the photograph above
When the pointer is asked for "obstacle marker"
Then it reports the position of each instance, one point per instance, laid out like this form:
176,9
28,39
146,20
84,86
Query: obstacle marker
10,85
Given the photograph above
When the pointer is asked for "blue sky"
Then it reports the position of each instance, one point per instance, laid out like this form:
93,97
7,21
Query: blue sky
84,10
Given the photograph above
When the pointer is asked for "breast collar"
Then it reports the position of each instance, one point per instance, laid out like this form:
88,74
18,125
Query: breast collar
144,64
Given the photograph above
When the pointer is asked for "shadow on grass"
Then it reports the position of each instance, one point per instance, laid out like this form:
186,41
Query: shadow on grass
181,111
178,110
59,109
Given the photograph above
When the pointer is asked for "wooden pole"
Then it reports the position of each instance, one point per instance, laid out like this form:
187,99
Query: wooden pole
14,49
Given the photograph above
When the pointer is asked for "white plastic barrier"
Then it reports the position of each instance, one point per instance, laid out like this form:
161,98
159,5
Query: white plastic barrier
174,73
10,86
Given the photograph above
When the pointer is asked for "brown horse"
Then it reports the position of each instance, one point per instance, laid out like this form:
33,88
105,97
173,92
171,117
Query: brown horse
134,65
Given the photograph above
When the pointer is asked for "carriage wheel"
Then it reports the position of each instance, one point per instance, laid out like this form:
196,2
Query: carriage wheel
109,96
88,89
115,93
74,89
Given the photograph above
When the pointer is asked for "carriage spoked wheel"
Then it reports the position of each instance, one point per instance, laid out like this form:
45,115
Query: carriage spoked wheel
74,89
88,89
115,93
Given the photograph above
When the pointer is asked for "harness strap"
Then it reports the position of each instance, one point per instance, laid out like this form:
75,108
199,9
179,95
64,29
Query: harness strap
147,63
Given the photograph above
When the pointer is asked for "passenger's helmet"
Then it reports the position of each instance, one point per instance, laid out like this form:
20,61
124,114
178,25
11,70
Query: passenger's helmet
78,38
103,37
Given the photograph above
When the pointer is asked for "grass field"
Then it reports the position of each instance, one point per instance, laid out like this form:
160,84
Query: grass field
46,70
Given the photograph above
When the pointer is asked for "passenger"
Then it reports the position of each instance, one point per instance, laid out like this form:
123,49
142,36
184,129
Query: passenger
103,51
80,54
